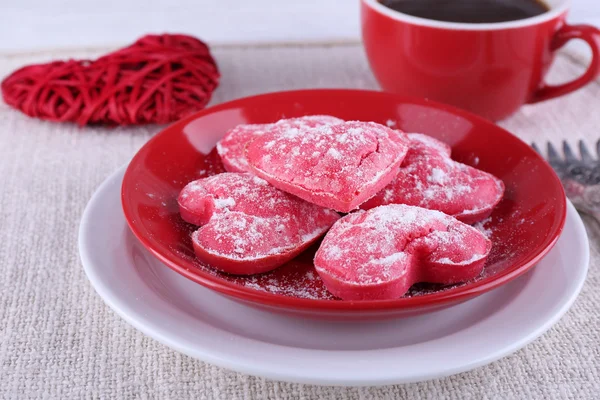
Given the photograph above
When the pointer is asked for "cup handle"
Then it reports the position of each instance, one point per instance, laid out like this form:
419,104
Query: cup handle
591,36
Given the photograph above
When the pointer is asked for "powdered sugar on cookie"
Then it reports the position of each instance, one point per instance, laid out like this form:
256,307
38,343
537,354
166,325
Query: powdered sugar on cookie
336,166
231,146
429,178
248,226
380,253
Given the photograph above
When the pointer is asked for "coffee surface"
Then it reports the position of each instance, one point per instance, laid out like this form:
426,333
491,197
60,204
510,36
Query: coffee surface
469,11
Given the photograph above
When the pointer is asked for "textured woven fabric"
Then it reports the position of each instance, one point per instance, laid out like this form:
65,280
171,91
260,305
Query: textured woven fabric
59,340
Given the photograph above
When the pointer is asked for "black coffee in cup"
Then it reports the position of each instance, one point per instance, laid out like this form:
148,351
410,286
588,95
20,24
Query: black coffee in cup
469,11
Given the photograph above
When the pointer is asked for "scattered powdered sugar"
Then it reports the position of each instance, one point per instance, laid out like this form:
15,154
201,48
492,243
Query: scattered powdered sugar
333,252
307,237
390,123
460,188
423,289
302,284
259,181
426,143
249,283
481,227
442,184
438,176
223,203
391,259
290,133
476,257
241,191
354,132
333,153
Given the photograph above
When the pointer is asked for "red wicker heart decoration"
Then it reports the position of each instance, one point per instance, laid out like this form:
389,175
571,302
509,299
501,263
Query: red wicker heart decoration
158,79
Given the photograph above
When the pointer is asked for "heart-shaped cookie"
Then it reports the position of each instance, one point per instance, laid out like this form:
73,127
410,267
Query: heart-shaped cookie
379,254
335,166
246,225
232,146
429,178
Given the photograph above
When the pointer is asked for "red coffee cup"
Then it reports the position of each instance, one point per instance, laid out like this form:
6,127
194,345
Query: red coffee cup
491,69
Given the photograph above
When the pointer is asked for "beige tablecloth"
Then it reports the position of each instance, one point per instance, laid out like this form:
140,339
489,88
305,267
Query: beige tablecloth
59,340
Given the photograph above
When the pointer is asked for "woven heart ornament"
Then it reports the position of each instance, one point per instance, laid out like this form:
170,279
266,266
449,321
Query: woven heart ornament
158,79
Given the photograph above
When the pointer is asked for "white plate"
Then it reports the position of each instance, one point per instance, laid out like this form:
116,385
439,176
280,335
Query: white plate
205,325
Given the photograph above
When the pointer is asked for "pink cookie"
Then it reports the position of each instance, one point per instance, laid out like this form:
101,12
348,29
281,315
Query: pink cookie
429,178
231,146
248,226
379,254
336,166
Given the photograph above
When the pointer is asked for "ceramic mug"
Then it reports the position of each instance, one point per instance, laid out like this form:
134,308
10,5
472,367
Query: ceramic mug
491,69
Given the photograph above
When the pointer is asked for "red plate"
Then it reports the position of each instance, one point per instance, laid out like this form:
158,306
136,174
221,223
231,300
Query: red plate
524,227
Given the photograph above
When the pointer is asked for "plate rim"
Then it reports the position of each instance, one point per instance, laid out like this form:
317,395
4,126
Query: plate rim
115,303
